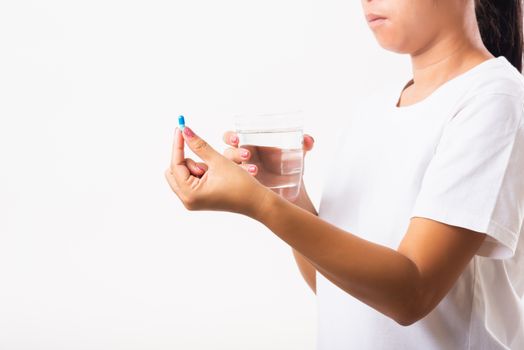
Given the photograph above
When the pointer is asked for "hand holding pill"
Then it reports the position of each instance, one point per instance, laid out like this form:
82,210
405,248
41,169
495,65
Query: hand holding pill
196,168
224,186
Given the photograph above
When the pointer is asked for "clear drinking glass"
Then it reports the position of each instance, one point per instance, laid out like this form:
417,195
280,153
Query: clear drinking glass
275,142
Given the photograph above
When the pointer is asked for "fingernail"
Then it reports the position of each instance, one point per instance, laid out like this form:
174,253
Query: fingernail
234,139
244,154
199,167
252,168
188,132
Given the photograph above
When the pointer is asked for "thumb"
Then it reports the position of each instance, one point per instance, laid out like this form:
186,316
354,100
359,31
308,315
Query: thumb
199,146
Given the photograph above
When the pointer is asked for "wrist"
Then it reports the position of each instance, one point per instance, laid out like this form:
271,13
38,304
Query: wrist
264,202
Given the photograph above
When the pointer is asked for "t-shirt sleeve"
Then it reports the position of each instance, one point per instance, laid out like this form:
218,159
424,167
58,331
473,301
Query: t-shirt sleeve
475,179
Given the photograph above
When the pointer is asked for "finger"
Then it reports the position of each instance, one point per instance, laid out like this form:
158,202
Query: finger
171,180
200,147
178,166
173,184
250,168
177,155
238,155
194,168
202,166
230,138
308,142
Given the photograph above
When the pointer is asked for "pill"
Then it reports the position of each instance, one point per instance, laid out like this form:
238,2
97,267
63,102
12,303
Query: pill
181,122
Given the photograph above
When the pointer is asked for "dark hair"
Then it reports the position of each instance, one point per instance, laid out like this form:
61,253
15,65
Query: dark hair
500,24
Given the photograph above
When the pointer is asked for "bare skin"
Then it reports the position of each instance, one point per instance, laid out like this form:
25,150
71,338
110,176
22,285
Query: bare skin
234,153
447,40
405,283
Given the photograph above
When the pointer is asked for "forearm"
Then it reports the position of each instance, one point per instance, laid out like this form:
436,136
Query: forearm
303,200
379,276
307,270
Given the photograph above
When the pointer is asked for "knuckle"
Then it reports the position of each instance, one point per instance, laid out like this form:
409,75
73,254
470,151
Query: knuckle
174,186
201,145
168,175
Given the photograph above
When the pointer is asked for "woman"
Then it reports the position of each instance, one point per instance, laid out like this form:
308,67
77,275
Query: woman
419,247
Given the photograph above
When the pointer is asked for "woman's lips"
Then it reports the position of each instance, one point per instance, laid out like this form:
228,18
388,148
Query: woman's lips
374,19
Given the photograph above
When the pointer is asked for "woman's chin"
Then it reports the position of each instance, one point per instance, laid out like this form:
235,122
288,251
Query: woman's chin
392,45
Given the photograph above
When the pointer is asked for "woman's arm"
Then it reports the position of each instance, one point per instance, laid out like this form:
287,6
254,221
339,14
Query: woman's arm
307,269
404,284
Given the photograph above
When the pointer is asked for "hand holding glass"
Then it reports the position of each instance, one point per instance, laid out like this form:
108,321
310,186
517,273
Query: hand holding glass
275,142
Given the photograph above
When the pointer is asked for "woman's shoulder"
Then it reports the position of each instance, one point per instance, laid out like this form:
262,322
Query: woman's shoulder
500,77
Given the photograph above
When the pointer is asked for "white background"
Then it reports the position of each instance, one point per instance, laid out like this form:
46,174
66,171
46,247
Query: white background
96,251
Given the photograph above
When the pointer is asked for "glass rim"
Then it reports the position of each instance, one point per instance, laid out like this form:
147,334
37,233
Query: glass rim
274,121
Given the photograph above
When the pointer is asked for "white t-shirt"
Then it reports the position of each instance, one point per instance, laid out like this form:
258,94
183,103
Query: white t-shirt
456,157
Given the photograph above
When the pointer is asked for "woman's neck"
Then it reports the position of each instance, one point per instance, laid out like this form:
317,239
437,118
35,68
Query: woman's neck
437,65
433,68
456,49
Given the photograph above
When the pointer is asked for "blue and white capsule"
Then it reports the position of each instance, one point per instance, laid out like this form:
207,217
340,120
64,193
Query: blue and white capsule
181,122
